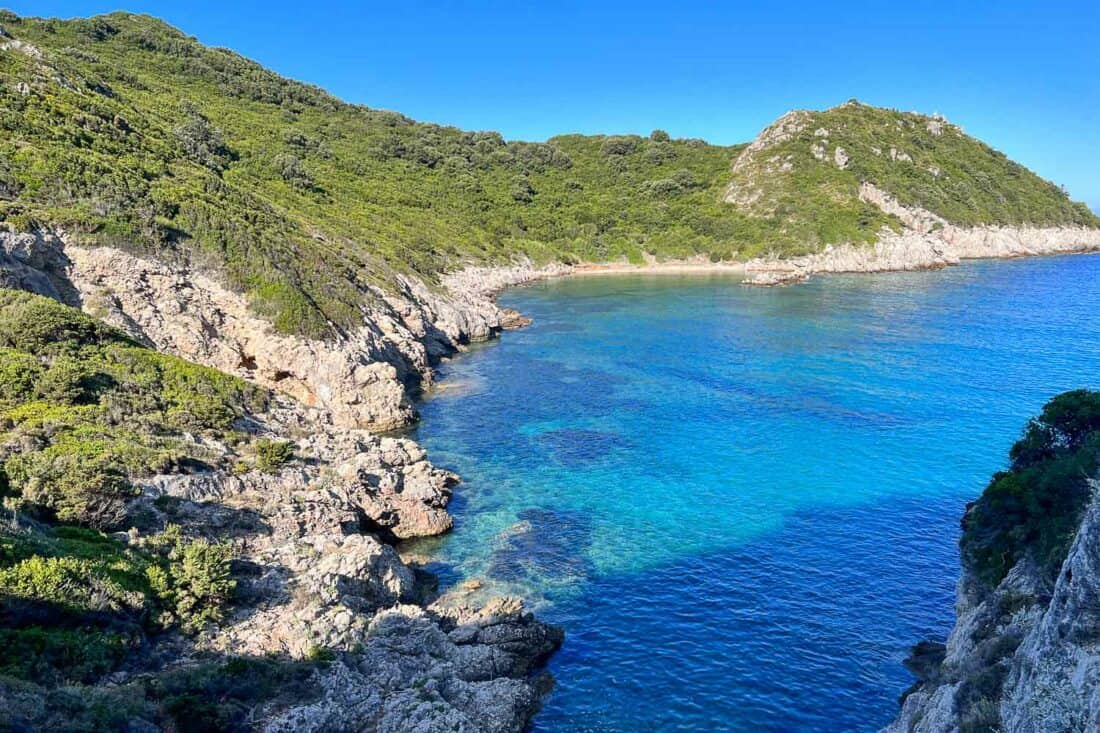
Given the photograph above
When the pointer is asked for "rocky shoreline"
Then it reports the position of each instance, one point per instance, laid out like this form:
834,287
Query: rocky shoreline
317,537
926,242
1023,653
314,541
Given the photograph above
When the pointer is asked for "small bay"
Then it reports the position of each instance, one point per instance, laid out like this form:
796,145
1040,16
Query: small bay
743,504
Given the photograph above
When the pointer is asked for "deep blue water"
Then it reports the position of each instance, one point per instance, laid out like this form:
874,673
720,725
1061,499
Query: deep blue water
744,504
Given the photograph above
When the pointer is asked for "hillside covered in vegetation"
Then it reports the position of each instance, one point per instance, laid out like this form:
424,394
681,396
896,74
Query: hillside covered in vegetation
83,412
804,174
121,130
181,550
1031,511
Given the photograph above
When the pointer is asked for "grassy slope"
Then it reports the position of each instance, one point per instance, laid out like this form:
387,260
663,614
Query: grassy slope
129,132
312,198
83,410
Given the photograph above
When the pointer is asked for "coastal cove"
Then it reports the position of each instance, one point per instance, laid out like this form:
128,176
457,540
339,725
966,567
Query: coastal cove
317,417
743,504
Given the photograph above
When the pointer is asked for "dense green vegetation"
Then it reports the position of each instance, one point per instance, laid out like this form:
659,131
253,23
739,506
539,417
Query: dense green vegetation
74,601
1033,509
133,134
123,130
83,410
214,696
922,161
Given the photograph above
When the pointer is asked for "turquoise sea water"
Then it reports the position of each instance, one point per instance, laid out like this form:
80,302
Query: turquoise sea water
743,504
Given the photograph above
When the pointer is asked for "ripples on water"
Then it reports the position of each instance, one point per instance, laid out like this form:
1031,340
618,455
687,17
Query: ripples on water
743,504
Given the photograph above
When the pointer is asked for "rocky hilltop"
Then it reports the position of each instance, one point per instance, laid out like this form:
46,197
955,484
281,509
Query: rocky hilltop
1024,656
870,190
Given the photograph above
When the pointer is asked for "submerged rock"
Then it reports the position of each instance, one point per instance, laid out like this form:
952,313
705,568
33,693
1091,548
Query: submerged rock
543,547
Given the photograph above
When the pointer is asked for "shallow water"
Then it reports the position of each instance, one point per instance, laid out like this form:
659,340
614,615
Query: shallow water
743,504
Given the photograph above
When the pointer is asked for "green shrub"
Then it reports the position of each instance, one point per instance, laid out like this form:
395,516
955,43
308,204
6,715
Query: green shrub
661,188
293,171
1034,507
194,581
522,190
36,325
19,374
67,381
201,141
77,584
271,455
52,656
618,146
80,482
222,696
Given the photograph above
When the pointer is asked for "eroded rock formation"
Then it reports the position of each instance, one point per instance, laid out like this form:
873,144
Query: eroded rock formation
1023,657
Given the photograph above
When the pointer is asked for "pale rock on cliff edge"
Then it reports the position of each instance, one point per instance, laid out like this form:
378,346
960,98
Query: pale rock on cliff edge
1023,657
362,379
927,242
312,541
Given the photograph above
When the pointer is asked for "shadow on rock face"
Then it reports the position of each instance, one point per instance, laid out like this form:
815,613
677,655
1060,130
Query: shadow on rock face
544,547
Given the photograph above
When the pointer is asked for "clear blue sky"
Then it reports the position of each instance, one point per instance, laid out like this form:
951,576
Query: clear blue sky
1024,76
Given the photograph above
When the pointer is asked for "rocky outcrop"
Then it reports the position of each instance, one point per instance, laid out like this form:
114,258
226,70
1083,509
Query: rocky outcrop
1023,657
383,485
463,672
362,379
35,262
315,573
926,242
315,566
747,190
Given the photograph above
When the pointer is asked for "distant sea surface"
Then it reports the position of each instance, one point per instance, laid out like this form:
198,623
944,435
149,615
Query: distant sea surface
743,504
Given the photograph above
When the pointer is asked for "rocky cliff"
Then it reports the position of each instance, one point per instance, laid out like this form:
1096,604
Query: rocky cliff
926,241
315,567
363,378
1023,657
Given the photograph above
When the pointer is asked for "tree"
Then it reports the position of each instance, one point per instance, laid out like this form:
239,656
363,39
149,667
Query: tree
193,579
618,146
1033,508
292,170
202,142
522,190
271,455
66,381
685,178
